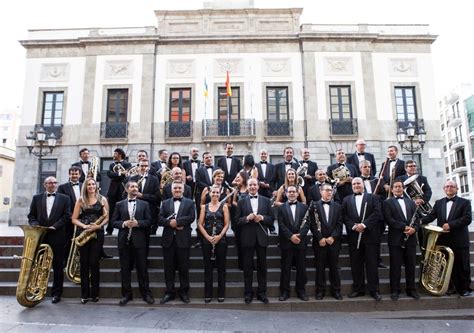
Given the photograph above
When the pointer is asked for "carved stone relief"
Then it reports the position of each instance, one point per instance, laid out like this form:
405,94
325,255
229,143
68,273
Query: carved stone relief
180,68
54,72
276,67
403,67
118,69
338,66
234,66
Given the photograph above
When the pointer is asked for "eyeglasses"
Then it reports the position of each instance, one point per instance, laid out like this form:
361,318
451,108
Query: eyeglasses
328,189
51,182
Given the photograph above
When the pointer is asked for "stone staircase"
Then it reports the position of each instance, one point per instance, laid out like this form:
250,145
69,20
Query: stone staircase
110,281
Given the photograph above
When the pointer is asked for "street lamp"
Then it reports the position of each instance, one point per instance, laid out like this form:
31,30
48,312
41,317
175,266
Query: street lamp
37,140
409,132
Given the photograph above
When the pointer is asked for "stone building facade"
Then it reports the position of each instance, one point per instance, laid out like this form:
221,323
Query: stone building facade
311,85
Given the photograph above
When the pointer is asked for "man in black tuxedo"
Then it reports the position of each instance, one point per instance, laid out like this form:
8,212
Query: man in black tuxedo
327,231
230,164
344,187
361,155
84,164
132,218
254,216
52,210
282,167
143,155
292,245
176,216
177,175
394,169
453,214
115,192
311,168
411,170
266,173
399,212
72,188
314,192
190,166
162,162
362,216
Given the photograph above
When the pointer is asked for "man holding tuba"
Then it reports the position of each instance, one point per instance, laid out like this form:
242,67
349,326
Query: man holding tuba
423,196
342,173
52,210
454,215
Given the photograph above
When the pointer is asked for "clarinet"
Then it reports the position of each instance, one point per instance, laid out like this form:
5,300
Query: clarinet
213,233
362,221
412,223
132,217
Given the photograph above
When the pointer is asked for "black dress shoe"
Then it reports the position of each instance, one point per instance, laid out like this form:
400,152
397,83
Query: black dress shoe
263,298
184,298
394,296
95,299
149,299
413,294
248,298
451,291
56,299
337,295
283,296
376,295
382,265
356,294
220,299
207,300
465,293
84,300
302,296
125,300
166,298
106,256
319,296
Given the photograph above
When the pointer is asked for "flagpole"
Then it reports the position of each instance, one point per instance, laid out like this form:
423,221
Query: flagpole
228,115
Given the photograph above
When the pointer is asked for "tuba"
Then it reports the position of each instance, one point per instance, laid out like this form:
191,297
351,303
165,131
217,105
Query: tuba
36,262
437,262
94,169
414,191
73,264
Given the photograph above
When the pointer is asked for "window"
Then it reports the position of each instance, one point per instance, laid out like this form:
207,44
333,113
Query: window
116,125
277,111
53,106
406,106
229,125
180,104
464,185
340,101
460,159
48,168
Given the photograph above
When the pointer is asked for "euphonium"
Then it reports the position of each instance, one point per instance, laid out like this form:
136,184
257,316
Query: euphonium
166,178
94,169
73,264
36,262
414,191
437,262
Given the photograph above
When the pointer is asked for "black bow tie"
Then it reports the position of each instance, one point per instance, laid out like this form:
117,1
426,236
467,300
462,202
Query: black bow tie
399,198
365,178
288,163
393,161
51,194
132,200
177,199
194,161
82,162
327,203
341,164
253,197
229,156
263,162
293,203
453,199
360,154
355,194
74,184
208,166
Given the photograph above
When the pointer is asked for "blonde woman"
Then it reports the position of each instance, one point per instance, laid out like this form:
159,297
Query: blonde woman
290,179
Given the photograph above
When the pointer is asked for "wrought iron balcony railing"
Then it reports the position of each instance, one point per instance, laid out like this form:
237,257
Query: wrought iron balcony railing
57,130
178,129
279,128
113,130
343,127
242,127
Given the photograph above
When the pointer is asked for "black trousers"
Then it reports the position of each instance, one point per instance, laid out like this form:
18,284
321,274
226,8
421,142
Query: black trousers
176,257
327,256
407,257
130,255
367,255
461,275
220,263
247,261
287,256
58,271
90,255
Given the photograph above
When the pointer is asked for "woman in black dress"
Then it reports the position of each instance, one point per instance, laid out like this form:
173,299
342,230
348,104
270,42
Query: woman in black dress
213,225
88,209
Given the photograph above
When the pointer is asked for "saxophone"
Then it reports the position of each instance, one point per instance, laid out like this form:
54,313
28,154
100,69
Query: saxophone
85,236
36,262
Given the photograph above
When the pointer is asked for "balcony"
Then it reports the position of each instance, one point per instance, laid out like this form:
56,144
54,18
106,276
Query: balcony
178,129
279,128
235,130
459,166
343,127
454,120
57,130
456,144
113,130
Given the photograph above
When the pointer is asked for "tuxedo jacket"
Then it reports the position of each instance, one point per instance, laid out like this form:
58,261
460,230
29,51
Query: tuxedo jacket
459,218
354,160
331,227
184,218
268,179
157,166
252,233
202,178
142,215
399,170
59,216
372,221
187,166
312,168
346,189
280,173
116,187
151,193
67,189
423,182
314,193
83,176
397,222
287,226
235,167
167,193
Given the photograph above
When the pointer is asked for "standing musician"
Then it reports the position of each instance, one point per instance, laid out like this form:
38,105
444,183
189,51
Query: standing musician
176,216
132,218
394,169
143,155
52,210
84,164
361,155
266,172
217,180
399,214
87,211
292,245
175,161
230,164
162,163
411,170
177,176
240,184
453,214
114,194
344,187
311,168
290,180
255,216
190,166
213,225
314,192
362,217
282,167
325,222
249,166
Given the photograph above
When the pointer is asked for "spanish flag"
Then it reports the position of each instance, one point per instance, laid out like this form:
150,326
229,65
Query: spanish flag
206,90
227,85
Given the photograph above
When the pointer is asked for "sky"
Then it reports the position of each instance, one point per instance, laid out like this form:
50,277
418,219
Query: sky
452,52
